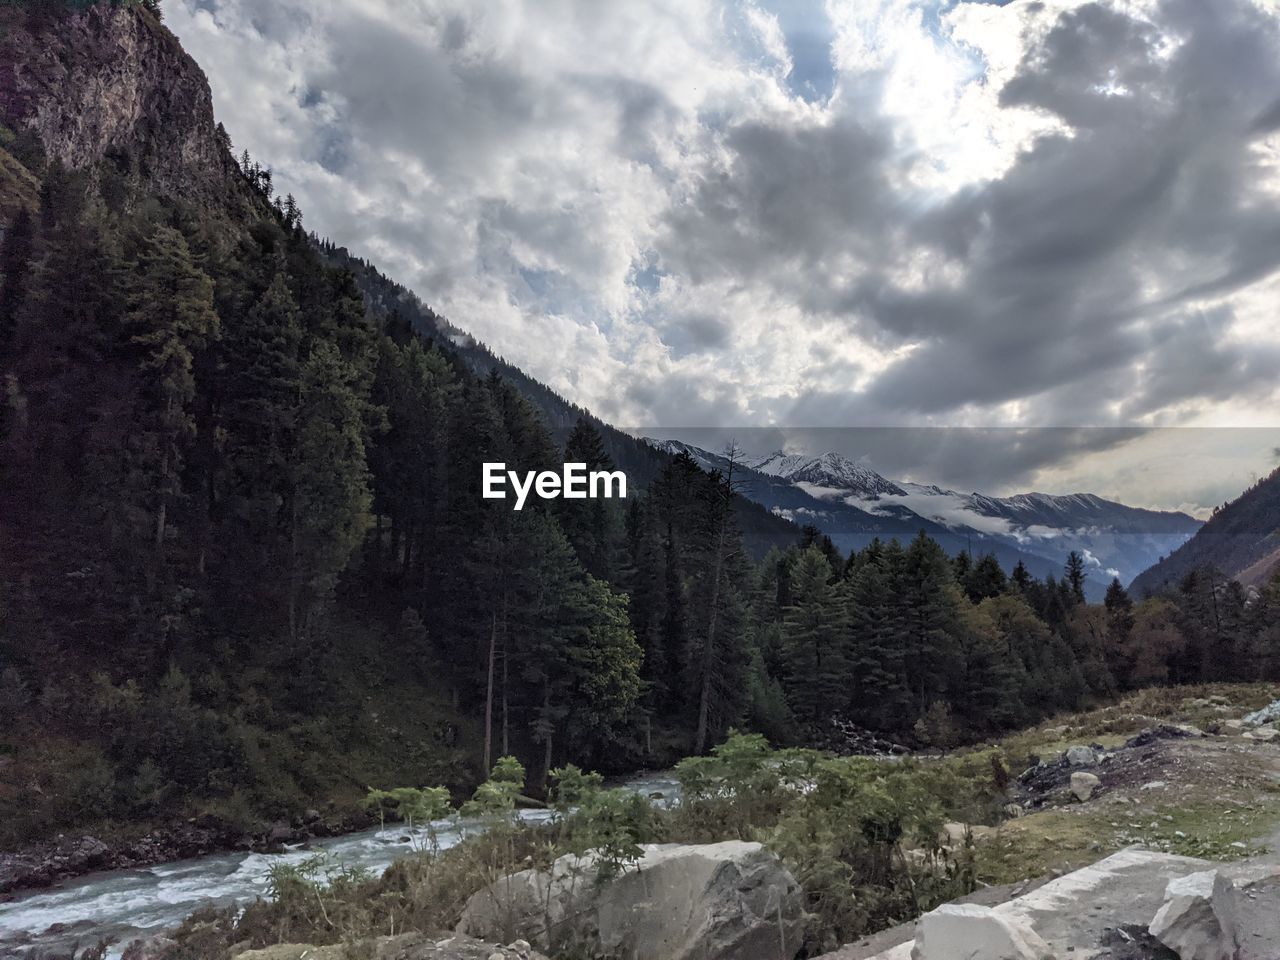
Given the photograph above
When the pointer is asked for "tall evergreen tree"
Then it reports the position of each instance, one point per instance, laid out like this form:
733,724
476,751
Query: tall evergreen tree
173,318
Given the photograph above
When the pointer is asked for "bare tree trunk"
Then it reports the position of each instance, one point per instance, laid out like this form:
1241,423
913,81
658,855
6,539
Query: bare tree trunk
546,712
506,656
162,509
488,700
709,647
293,569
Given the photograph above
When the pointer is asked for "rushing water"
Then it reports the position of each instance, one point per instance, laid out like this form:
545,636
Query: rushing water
122,905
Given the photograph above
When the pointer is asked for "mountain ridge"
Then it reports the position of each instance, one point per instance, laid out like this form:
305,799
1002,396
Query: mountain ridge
1241,540
1026,526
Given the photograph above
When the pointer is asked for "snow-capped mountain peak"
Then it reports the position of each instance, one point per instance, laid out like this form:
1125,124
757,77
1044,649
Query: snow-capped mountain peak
830,473
851,502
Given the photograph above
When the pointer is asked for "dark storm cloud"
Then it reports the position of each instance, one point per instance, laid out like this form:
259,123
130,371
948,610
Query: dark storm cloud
788,194
1153,180
1080,259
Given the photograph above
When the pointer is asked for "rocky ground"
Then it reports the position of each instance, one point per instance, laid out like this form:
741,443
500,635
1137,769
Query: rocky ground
1189,795
414,946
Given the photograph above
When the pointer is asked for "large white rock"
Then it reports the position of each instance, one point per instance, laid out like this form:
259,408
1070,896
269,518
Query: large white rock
1187,923
966,931
1213,916
1083,785
719,901
1268,714
1073,913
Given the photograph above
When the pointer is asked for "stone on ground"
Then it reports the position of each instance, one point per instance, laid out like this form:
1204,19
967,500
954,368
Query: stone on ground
1074,913
1232,913
720,901
1083,785
1081,756
1187,923
962,931
1268,714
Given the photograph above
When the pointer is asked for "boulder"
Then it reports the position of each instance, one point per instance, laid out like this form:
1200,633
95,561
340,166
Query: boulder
1081,756
1263,734
1268,714
963,931
955,834
1211,915
1083,785
1249,908
732,900
88,853
1187,923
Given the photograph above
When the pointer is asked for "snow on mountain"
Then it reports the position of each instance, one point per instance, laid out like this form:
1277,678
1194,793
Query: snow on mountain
829,474
851,501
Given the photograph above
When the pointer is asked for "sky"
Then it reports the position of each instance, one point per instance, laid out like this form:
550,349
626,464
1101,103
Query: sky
1053,224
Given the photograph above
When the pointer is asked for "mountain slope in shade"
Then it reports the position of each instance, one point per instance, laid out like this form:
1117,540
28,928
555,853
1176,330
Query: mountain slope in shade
1241,540
642,462
852,503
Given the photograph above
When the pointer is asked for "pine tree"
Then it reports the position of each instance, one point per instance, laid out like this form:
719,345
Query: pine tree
931,600
1075,576
592,525
329,496
985,580
881,696
16,251
173,318
1021,576
814,641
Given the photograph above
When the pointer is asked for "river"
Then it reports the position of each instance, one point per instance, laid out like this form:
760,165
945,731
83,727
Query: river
122,905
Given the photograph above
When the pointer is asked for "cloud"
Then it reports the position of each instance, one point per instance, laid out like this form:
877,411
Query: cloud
882,213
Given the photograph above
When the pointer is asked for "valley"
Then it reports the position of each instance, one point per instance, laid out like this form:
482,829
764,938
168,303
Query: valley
329,631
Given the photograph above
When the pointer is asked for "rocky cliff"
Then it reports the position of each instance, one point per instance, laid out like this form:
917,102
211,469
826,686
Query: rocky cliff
111,83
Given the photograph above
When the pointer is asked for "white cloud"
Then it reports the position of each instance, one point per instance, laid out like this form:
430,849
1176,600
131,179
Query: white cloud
1033,214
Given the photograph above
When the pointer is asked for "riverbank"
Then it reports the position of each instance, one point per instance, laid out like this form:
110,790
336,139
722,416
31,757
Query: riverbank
121,905
43,865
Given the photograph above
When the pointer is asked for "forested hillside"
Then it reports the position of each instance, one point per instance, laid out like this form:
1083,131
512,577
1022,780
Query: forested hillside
392,303
1241,540
244,562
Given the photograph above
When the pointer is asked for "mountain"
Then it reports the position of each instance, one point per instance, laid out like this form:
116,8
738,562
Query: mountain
853,503
642,462
247,567
830,472
1241,541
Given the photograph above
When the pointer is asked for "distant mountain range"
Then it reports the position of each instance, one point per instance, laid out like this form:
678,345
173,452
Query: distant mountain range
1241,541
853,504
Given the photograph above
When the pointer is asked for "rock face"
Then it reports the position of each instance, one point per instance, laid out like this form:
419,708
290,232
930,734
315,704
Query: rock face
1083,785
721,901
1075,913
963,931
1186,922
91,84
1212,915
